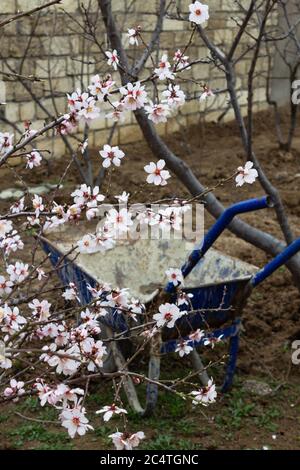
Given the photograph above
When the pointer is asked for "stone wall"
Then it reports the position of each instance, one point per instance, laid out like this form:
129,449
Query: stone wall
51,45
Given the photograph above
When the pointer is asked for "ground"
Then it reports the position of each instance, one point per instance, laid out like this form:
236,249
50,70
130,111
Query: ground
238,420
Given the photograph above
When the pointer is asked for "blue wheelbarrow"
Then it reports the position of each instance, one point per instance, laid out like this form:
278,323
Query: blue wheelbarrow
220,285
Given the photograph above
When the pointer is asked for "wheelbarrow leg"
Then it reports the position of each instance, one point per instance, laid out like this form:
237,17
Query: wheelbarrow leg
198,366
153,375
231,365
152,388
128,384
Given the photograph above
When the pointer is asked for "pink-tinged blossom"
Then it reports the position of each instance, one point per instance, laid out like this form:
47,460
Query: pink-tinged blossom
181,61
117,298
69,125
37,203
117,114
89,110
170,219
71,292
87,244
158,112
183,348
17,272
175,276
101,88
75,421
43,391
73,212
136,307
6,142
58,219
75,101
5,362
134,96
212,340
5,227
83,146
50,329
89,320
34,159
85,195
18,206
198,13
163,71
196,335
64,362
95,356
205,395
184,298
104,239
111,155
113,59
110,411
133,34
247,174
12,319
64,393
157,174
119,221
40,274
62,337
11,243
5,286
168,314
173,96
15,389
207,93
126,441
123,198
40,309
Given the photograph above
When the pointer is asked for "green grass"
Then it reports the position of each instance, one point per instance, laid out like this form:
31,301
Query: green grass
176,424
37,433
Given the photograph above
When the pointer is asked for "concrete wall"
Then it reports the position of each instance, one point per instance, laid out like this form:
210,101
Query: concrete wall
55,48
287,54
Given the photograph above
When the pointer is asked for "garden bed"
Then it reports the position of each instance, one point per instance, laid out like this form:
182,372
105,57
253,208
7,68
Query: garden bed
271,318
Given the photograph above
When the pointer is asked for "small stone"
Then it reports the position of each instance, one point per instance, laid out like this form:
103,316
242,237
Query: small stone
39,190
257,388
11,193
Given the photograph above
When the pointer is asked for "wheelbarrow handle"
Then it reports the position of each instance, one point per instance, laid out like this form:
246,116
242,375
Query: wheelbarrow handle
219,226
278,261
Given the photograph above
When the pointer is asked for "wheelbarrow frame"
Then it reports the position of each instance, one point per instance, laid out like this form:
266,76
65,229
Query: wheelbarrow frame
159,347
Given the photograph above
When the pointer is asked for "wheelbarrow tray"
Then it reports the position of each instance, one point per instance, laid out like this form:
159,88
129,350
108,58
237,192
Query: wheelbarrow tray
140,266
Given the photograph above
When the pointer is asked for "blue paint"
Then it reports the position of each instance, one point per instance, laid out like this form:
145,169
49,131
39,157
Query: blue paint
205,299
216,230
68,271
278,261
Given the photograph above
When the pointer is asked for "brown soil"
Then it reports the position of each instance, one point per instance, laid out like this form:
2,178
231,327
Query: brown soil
271,318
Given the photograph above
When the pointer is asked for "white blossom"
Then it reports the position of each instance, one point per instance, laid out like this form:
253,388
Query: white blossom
111,155
205,395
247,174
198,13
168,314
109,411
157,175
175,276
126,441
33,158
113,59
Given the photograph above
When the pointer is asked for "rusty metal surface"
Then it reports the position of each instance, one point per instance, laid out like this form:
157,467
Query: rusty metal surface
140,265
